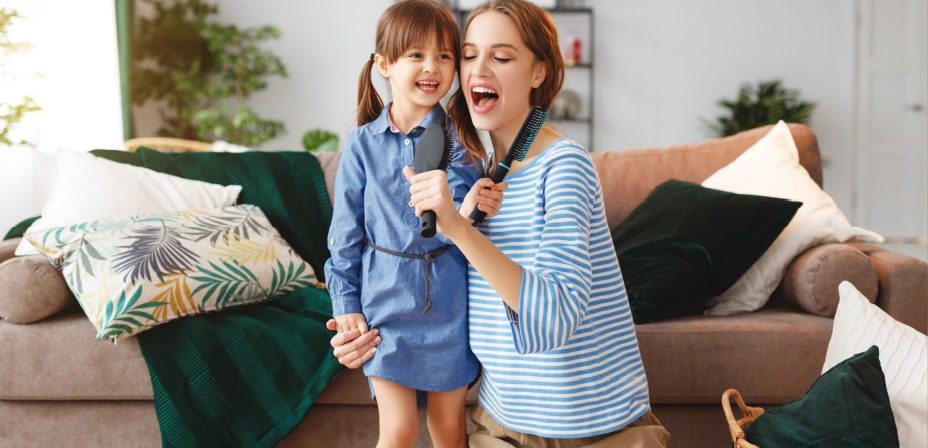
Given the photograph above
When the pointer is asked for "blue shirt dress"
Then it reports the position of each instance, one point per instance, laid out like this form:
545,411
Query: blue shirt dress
422,351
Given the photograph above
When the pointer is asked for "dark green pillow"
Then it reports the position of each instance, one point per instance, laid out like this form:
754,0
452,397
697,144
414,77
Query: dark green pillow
848,406
288,186
685,244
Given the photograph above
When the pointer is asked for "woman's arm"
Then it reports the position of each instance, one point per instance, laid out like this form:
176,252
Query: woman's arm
430,192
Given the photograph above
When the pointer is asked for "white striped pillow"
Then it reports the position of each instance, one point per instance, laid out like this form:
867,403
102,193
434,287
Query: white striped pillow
903,357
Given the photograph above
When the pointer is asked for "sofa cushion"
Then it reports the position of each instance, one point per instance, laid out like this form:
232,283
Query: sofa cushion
903,358
812,279
289,186
130,274
846,407
686,244
91,188
771,168
31,289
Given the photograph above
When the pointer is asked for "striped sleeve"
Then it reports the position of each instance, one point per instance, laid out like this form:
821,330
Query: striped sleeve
555,292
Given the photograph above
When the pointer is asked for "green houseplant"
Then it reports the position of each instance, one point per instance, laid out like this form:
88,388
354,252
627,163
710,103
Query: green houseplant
204,72
320,140
759,105
12,111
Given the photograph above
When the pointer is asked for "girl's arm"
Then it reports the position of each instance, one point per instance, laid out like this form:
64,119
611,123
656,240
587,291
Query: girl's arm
346,233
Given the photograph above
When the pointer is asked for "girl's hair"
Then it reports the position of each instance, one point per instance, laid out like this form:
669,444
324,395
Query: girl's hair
404,25
540,36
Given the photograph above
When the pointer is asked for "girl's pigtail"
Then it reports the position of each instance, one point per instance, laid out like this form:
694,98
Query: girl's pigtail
369,103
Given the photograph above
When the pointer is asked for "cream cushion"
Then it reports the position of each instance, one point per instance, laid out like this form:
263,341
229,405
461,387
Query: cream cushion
90,187
771,167
903,357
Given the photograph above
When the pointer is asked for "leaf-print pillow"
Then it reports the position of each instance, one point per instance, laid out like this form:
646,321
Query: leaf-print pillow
130,274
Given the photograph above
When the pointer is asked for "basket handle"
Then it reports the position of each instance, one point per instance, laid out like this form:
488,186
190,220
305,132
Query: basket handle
735,427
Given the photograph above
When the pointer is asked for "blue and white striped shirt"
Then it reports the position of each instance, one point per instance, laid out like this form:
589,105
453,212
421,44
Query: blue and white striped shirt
567,365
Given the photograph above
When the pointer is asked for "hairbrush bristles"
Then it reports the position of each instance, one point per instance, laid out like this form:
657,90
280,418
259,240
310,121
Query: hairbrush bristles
517,151
527,133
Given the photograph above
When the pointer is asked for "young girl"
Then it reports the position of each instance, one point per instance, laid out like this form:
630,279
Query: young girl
382,273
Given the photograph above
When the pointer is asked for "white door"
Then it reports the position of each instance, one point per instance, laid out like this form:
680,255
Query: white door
892,126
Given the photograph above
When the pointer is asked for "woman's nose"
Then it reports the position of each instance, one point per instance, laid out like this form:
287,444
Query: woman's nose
479,68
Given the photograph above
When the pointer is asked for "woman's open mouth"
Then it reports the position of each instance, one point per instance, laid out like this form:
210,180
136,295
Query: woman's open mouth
483,98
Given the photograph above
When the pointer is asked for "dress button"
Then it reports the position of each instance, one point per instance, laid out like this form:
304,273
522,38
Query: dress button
409,203
332,241
407,141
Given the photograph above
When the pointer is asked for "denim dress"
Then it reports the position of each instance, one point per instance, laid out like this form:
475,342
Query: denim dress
425,351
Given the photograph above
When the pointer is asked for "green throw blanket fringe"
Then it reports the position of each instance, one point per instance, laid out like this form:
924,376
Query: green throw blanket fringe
245,377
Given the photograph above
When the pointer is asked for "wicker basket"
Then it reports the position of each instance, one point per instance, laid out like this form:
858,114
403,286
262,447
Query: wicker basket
736,427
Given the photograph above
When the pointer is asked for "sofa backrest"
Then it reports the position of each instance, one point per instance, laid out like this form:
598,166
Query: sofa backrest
629,176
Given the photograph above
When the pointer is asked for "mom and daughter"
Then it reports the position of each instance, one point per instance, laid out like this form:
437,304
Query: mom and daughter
534,293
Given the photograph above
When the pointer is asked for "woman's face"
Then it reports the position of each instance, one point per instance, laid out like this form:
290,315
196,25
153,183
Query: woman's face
498,72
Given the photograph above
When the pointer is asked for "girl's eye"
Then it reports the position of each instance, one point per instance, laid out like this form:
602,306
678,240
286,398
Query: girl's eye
445,56
415,55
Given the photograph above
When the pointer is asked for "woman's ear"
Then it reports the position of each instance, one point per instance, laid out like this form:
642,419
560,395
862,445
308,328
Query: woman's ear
539,72
381,63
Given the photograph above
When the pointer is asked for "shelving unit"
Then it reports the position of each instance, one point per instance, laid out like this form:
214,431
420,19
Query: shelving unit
576,21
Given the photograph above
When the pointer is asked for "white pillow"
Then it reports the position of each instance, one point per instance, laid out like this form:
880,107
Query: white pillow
771,168
91,187
903,357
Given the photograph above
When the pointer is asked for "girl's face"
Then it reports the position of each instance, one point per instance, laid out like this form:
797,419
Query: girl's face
420,77
498,72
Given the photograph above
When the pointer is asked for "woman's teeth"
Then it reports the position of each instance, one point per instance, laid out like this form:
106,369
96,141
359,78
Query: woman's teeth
483,95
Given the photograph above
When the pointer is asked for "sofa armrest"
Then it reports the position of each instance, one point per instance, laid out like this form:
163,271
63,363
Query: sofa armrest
7,248
903,285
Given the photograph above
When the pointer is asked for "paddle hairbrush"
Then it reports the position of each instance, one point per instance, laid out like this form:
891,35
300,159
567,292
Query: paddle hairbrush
517,151
433,152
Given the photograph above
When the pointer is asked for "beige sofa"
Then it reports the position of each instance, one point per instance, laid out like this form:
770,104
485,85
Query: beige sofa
61,387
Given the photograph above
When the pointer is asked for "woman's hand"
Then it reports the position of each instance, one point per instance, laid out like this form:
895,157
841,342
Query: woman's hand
351,347
487,195
430,191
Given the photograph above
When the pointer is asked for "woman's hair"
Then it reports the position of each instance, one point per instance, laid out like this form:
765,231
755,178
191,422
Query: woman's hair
403,25
540,36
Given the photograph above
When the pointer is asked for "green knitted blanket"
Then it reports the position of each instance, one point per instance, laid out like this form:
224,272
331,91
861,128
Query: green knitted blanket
248,375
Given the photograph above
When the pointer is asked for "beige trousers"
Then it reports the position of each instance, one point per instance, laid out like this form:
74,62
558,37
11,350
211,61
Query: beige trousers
645,432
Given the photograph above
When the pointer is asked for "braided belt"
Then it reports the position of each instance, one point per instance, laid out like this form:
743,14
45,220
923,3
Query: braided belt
428,257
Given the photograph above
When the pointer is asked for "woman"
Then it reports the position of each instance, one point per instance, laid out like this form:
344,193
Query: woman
548,314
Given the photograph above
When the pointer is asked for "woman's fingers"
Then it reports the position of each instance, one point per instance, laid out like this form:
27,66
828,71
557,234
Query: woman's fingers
353,349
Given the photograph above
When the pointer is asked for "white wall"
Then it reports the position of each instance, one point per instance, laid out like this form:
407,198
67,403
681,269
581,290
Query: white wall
660,66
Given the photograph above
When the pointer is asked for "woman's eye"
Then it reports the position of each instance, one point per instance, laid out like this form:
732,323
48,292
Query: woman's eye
468,57
503,60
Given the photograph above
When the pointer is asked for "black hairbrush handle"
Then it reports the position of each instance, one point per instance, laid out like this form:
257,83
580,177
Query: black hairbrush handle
432,153
517,151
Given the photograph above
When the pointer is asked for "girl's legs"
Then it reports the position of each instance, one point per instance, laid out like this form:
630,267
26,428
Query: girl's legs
446,420
399,419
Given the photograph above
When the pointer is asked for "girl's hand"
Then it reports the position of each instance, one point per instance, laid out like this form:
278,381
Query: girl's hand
348,322
487,195
430,191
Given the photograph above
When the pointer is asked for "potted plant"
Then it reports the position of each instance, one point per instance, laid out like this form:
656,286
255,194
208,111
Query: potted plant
204,72
763,104
12,111
320,140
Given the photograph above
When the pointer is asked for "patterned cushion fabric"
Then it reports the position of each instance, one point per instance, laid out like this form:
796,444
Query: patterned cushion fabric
130,274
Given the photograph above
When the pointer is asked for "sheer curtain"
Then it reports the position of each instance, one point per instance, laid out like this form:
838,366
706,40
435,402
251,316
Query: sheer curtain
75,51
